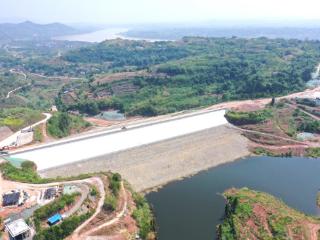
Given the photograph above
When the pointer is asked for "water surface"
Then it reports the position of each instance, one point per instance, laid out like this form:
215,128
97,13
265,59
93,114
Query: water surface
191,209
102,35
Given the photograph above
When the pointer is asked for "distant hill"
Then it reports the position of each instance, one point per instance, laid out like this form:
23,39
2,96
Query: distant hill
301,33
29,30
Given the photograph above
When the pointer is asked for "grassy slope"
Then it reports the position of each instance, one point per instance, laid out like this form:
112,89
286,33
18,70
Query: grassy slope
17,118
256,215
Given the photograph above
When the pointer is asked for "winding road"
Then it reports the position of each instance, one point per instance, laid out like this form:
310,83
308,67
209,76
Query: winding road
76,234
11,140
18,88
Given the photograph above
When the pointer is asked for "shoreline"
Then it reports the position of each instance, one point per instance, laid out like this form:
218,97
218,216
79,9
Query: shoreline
159,187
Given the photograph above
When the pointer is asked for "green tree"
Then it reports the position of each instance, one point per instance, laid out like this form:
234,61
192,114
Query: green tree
64,122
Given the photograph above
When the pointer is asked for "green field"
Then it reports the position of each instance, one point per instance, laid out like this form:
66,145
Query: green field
17,118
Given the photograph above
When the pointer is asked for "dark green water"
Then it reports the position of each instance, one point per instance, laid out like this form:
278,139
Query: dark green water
191,209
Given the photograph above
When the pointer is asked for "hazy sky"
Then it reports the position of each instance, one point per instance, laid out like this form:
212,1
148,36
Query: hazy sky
144,11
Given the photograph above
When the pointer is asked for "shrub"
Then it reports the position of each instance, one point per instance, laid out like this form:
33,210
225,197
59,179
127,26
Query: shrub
313,152
62,124
27,175
94,191
143,215
62,230
110,203
54,207
38,137
115,183
29,165
241,118
310,126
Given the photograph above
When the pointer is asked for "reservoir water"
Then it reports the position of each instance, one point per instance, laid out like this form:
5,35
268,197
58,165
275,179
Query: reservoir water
192,208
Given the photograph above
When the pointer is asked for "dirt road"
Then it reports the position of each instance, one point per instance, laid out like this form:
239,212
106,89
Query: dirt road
75,234
119,215
294,106
18,88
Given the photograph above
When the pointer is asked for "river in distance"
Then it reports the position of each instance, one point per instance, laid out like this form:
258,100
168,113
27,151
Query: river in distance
192,208
102,35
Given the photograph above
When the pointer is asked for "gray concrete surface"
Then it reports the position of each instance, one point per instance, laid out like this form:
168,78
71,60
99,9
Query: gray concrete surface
152,165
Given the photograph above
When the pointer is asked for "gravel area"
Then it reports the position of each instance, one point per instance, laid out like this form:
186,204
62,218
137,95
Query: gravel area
153,165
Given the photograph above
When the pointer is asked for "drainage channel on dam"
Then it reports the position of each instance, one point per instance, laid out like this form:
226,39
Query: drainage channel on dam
74,151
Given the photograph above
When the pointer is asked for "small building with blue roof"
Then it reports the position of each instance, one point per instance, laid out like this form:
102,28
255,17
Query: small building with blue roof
54,219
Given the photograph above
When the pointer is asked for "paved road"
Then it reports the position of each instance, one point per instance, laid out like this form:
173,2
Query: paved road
111,141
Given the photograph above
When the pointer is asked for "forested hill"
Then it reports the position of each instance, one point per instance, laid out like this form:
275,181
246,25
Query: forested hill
192,72
29,31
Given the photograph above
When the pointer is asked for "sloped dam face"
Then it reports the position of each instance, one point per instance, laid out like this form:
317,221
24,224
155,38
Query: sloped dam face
192,208
66,152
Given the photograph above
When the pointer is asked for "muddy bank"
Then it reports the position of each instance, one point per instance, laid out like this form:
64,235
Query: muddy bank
153,165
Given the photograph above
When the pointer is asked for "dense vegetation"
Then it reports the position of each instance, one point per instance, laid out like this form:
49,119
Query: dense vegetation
127,53
62,124
111,199
189,73
17,118
10,81
24,174
241,118
144,217
256,215
313,152
38,136
48,210
193,72
310,126
62,230
27,174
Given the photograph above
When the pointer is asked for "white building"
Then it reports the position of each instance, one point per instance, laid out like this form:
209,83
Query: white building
19,230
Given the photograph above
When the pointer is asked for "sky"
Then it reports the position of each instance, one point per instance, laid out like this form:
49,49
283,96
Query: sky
156,11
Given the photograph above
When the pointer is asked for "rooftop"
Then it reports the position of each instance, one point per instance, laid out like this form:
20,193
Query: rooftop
50,193
54,219
11,199
17,227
